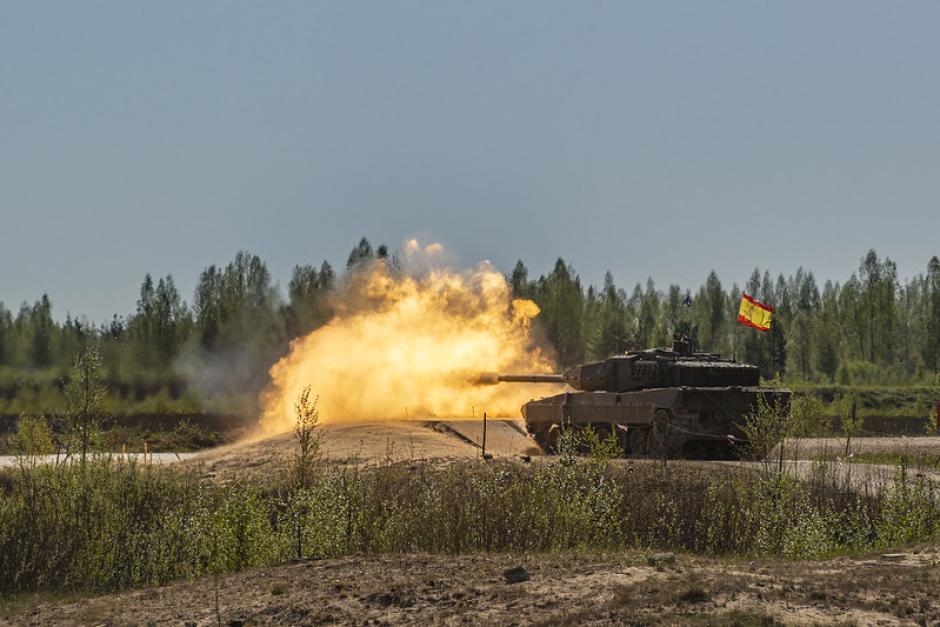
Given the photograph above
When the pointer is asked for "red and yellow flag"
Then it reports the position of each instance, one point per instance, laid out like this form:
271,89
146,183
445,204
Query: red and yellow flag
755,314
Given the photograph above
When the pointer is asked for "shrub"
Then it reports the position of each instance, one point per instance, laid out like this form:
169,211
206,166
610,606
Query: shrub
909,511
106,525
33,437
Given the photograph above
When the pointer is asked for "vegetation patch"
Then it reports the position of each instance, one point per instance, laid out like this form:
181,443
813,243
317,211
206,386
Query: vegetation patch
104,525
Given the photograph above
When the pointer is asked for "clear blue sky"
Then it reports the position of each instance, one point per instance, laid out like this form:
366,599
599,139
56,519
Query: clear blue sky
662,139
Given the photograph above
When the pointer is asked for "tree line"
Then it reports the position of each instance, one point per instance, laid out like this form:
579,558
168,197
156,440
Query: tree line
871,328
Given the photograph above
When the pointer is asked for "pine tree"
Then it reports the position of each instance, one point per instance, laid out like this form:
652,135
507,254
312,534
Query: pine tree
710,314
360,255
143,323
563,311
306,309
42,328
171,319
613,335
827,332
932,296
208,307
519,281
327,277
6,332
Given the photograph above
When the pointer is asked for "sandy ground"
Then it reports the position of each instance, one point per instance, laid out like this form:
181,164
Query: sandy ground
369,443
562,590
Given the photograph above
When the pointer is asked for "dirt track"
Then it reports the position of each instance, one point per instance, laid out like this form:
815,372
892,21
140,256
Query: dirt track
619,588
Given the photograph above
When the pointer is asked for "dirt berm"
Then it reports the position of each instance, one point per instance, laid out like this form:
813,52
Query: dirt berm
374,443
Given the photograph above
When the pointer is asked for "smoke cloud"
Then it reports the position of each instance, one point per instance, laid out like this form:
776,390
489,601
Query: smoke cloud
411,345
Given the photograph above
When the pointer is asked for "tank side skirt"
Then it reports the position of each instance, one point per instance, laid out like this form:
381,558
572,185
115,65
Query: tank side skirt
716,411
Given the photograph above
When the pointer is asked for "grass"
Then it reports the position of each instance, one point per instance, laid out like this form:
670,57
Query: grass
875,400
912,460
185,437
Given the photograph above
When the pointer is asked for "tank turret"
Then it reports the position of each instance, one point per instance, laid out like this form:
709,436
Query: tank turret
655,368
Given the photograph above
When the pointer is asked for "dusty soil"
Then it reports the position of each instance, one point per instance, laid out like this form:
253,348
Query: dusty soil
562,589
369,443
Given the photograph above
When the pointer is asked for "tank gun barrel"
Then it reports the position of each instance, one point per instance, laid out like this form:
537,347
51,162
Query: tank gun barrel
492,378
531,378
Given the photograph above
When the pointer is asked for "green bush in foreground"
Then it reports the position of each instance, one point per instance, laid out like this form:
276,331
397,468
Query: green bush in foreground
106,525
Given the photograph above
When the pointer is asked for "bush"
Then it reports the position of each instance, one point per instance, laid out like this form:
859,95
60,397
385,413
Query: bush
908,513
33,437
105,525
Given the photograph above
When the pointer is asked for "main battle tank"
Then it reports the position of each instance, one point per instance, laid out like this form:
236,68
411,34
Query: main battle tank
659,402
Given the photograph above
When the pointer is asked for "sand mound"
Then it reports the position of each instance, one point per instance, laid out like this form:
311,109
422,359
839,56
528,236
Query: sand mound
373,443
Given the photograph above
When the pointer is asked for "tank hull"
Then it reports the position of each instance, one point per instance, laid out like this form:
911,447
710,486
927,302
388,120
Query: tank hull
655,422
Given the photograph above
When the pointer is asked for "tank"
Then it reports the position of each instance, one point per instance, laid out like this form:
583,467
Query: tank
661,402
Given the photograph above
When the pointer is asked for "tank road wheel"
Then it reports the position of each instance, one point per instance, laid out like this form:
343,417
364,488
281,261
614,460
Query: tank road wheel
661,442
636,441
546,436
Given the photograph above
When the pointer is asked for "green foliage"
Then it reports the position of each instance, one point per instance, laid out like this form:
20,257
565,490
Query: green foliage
360,255
308,290
766,425
932,425
103,526
306,422
33,437
107,525
187,436
807,416
787,523
321,518
561,299
303,463
909,512
602,445
40,352
161,324
568,443
84,394
239,531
